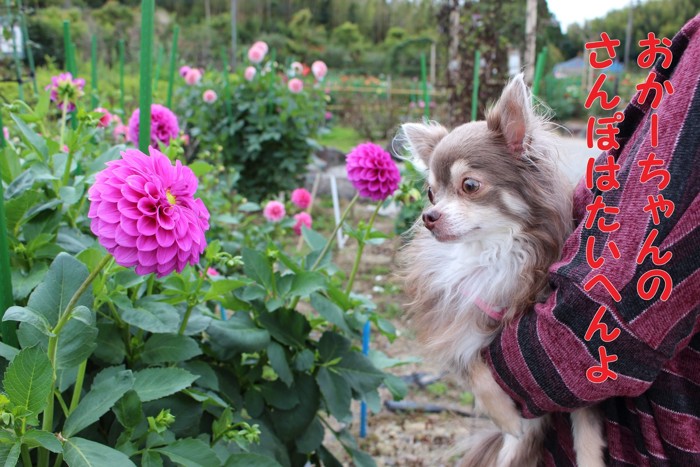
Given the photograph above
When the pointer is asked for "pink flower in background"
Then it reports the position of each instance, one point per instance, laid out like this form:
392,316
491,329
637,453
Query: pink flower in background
212,272
184,70
6,133
303,218
319,69
329,115
65,149
185,139
144,213
163,125
209,96
301,198
105,119
193,76
256,54
372,171
262,46
66,90
295,85
121,132
274,211
249,73
297,68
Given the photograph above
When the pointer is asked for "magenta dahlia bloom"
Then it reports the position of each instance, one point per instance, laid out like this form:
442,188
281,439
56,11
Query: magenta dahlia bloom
66,90
274,211
164,125
303,218
144,213
301,198
372,171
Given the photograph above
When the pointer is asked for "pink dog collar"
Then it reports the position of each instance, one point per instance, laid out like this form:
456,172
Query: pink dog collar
491,312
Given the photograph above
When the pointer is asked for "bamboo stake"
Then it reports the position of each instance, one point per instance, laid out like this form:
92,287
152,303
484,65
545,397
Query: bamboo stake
173,59
6,299
475,85
121,77
93,58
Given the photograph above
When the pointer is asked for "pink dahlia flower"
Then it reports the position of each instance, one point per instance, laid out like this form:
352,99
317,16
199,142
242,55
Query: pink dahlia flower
184,70
66,90
372,171
297,68
193,76
319,69
274,211
262,45
163,125
303,218
250,73
121,132
301,198
295,85
256,54
144,213
329,115
105,119
209,96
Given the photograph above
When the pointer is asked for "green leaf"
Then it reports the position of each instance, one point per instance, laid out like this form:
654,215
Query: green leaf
84,315
289,423
278,395
39,438
312,438
154,383
257,267
29,316
9,454
287,326
249,207
128,409
110,345
76,342
8,352
330,311
28,380
237,334
98,401
315,240
278,362
200,168
336,392
162,348
151,459
23,284
221,287
34,140
190,452
359,372
306,283
248,459
396,385
155,317
304,360
63,279
79,452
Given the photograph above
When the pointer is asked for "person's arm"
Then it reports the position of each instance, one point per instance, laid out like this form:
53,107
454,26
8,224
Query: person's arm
541,359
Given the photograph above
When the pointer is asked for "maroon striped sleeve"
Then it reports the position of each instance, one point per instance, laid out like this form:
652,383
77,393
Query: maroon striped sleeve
652,408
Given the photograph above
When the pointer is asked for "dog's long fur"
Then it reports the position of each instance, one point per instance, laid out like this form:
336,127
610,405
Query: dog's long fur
493,246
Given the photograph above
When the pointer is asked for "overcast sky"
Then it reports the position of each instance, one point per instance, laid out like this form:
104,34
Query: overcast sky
577,11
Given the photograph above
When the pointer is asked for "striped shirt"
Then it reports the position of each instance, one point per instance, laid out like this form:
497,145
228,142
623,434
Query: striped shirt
652,408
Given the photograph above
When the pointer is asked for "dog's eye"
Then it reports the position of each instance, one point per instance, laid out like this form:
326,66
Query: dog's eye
469,185
431,196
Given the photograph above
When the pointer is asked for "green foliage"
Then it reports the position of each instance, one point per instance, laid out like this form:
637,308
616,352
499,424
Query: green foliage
196,368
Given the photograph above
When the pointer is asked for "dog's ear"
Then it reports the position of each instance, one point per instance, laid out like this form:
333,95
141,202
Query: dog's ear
512,114
422,138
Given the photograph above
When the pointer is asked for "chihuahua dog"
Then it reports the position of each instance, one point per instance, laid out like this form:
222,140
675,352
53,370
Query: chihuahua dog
500,212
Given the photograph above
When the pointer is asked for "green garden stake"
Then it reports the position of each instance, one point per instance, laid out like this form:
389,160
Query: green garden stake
93,56
475,84
147,10
15,54
7,328
539,69
227,92
159,63
424,82
121,77
66,45
171,72
27,48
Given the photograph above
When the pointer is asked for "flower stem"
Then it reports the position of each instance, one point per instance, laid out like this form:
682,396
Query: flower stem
78,387
335,231
360,249
66,171
47,422
192,300
26,460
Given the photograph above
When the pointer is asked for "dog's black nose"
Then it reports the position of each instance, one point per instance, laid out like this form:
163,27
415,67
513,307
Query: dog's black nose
430,218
